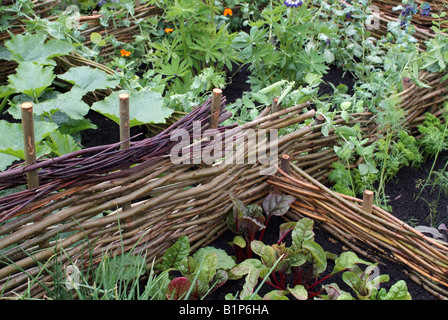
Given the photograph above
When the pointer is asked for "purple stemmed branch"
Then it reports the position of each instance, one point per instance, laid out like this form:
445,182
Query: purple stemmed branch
96,164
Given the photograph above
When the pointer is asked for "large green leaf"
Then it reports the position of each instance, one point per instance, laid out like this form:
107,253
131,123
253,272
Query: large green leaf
61,144
316,255
225,261
173,257
207,267
6,160
89,79
303,231
11,137
266,252
70,103
145,106
33,48
299,292
347,260
398,291
31,79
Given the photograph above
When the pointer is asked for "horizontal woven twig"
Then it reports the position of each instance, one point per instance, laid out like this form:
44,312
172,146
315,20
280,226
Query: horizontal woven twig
376,234
168,201
82,193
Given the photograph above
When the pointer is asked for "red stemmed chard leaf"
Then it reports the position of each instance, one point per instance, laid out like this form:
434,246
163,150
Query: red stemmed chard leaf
178,288
276,204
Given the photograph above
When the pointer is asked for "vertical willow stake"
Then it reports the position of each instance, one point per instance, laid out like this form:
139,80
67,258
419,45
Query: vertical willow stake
216,108
29,145
275,106
406,82
367,201
284,163
29,142
125,130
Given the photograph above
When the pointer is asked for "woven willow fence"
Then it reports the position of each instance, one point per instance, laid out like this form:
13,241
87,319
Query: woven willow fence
78,207
372,233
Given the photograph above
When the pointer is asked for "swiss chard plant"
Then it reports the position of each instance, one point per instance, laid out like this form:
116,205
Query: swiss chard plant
300,270
365,285
247,221
197,274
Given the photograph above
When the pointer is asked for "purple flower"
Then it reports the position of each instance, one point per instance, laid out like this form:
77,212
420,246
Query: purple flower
425,9
103,2
293,3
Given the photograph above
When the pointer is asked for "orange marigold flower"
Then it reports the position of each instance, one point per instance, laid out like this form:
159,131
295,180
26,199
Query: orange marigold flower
125,53
168,30
228,12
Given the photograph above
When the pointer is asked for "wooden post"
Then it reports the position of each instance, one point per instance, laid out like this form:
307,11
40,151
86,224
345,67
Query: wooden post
125,130
284,163
406,82
29,143
367,201
319,119
216,108
275,106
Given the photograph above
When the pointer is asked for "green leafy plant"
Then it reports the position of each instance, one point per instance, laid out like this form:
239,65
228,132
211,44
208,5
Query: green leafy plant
365,287
58,98
198,38
246,221
434,140
352,143
204,271
307,263
282,45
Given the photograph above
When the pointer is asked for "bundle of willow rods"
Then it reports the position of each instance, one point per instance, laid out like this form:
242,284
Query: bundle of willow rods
82,195
375,235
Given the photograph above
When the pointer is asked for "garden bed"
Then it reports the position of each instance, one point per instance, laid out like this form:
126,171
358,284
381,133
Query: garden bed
400,191
351,110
